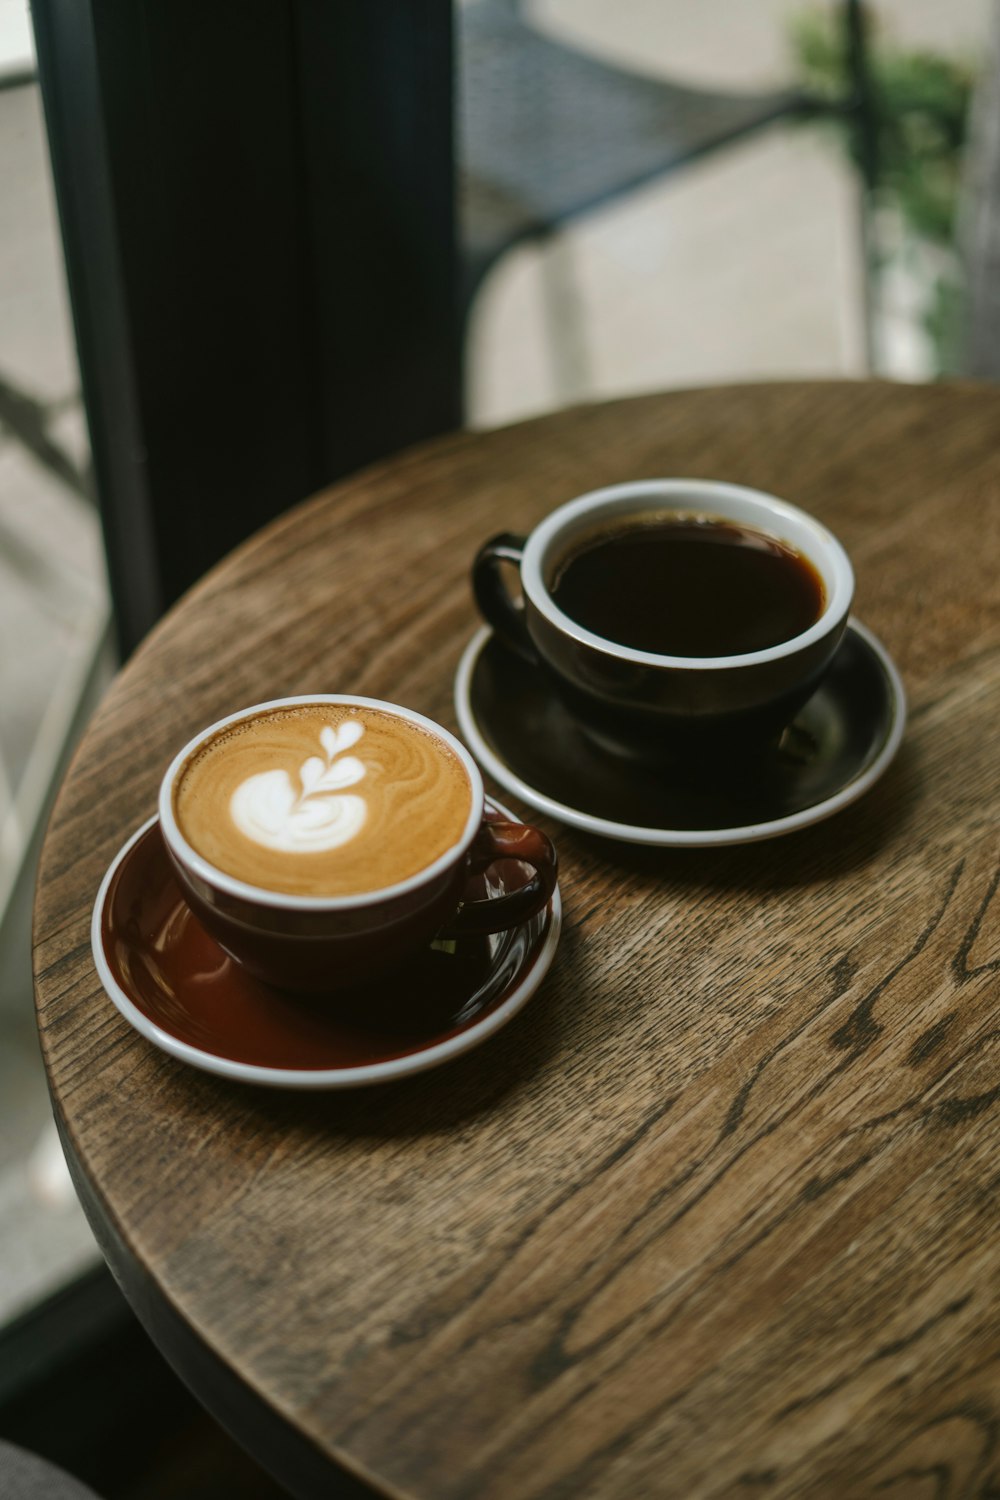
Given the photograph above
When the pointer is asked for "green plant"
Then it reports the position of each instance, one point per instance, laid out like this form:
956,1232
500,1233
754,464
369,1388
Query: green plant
921,108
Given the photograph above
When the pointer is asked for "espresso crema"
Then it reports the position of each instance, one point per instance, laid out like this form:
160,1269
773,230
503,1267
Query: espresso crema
322,799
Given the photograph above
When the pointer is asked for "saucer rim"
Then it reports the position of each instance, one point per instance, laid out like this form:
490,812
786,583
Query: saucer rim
681,838
364,1074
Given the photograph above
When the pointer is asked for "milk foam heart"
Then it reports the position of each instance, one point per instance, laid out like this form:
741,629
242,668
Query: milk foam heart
269,809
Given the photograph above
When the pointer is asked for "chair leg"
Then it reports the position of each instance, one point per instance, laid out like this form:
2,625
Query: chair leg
565,317
865,122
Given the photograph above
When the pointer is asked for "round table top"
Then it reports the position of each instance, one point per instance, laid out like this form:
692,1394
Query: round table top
716,1213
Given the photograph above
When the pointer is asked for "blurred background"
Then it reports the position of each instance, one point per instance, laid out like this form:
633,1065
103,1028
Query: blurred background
747,265
752,261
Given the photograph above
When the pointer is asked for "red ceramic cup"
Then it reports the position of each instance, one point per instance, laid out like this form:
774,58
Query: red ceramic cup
314,944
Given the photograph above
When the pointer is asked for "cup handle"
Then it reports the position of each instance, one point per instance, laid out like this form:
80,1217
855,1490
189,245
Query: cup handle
495,603
495,840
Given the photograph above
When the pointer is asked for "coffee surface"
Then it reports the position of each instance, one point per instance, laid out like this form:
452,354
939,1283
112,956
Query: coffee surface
322,799
688,586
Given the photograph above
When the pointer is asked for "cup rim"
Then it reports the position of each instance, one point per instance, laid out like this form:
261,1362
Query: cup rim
834,566
204,870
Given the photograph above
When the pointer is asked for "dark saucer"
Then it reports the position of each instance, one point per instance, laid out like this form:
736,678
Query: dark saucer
838,746
176,986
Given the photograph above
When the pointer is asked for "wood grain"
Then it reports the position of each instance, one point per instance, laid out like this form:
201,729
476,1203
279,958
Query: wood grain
717,1214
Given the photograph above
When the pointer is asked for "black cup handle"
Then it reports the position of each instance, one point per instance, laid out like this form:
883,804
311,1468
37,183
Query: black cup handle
495,603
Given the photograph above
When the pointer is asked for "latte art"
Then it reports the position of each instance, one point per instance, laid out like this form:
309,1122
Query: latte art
267,808
321,799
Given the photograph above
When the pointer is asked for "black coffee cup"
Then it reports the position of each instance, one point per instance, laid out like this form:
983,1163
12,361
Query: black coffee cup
655,704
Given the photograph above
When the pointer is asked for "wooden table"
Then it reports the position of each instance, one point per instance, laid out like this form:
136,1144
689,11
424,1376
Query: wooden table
716,1215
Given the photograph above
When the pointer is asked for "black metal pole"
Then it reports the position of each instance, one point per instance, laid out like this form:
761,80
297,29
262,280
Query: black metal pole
864,115
257,209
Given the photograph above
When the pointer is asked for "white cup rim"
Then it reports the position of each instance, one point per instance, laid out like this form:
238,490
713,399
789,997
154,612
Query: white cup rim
211,875
754,507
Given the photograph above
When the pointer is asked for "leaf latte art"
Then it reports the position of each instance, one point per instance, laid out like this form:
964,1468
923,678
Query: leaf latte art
267,808
322,799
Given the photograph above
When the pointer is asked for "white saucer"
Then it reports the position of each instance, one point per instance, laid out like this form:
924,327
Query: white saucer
839,745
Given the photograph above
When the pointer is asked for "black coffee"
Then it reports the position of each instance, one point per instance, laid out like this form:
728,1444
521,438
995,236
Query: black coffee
688,587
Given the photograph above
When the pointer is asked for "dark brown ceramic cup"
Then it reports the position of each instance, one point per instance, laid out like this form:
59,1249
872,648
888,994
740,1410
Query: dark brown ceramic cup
315,944
651,706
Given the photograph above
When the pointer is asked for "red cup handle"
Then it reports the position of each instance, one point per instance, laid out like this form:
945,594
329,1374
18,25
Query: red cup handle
496,840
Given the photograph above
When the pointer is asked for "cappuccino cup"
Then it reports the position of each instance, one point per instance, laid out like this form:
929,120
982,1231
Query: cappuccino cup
674,617
323,839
